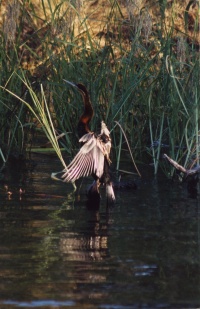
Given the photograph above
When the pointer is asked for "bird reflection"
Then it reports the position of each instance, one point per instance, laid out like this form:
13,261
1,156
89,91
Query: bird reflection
91,244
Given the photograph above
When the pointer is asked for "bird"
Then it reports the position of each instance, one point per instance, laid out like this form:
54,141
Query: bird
93,158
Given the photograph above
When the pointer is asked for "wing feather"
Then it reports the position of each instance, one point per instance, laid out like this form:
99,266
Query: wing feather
90,158
88,169
76,169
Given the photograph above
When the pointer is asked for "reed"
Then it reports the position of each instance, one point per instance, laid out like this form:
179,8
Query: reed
42,114
141,71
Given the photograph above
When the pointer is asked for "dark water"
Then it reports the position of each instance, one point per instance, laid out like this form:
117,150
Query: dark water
55,253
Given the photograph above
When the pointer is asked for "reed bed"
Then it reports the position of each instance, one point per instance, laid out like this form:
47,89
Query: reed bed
141,72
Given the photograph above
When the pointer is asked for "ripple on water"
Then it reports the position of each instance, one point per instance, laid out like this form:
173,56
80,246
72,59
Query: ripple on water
54,252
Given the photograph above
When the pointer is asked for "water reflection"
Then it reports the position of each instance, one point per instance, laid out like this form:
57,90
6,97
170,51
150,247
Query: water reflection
39,303
90,245
43,251
57,252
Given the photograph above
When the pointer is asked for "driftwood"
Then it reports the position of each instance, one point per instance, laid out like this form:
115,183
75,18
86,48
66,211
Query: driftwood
182,169
191,176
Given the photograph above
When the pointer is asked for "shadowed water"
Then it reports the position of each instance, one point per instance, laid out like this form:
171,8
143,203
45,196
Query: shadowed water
56,253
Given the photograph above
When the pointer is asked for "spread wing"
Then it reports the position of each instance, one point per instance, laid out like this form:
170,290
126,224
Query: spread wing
89,160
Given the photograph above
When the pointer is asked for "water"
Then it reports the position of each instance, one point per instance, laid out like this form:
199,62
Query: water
56,253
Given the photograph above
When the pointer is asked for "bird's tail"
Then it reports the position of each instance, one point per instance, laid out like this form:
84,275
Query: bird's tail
110,193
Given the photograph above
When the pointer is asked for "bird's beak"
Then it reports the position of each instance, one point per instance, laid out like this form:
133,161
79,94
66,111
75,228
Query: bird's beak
72,84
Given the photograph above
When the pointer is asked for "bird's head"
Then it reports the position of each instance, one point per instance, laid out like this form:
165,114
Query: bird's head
79,86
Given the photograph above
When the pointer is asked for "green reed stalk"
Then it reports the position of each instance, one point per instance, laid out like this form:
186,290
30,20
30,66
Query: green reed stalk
196,112
2,156
119,149
42,114
175,79
151,131
128,148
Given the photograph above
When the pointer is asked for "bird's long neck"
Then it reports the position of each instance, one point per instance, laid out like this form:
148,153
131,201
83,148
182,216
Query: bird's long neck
83,124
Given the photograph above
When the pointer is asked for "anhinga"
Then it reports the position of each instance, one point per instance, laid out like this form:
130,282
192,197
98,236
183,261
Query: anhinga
93,157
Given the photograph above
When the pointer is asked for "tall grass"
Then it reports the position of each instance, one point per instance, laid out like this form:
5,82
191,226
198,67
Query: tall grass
139,68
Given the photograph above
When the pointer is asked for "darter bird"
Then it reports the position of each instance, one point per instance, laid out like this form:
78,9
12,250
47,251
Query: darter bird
93,157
